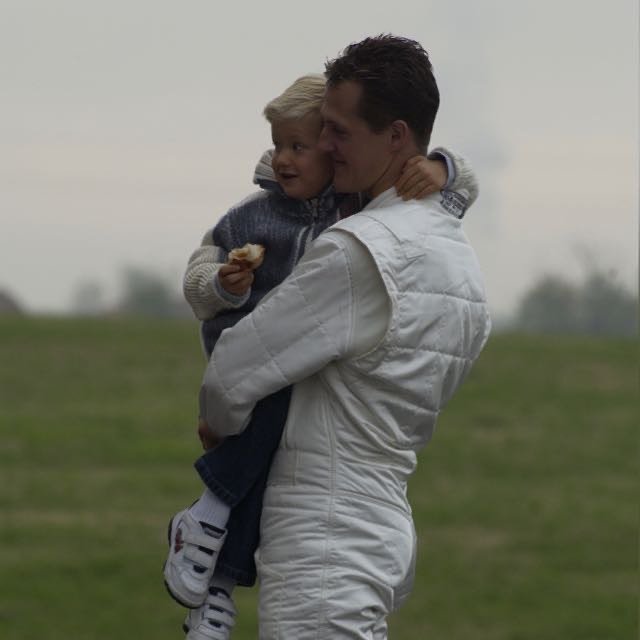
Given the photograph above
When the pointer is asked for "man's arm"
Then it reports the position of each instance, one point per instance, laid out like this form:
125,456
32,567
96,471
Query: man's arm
300,327
461,176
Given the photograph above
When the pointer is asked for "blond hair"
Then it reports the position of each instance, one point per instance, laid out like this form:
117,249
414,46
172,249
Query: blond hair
304,96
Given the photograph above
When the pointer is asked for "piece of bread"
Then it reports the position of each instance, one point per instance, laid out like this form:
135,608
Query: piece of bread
251,255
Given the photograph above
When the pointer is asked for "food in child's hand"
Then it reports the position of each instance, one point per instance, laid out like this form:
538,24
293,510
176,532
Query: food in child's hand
251,255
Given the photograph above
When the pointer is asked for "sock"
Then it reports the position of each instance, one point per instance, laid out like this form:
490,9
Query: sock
211,510
222,583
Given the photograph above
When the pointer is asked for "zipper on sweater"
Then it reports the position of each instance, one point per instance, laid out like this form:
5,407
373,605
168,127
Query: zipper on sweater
306,235
314,205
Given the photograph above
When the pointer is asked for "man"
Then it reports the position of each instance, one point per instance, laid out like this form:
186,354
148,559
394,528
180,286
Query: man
376,327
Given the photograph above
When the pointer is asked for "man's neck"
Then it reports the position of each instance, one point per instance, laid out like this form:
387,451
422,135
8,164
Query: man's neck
392,172
382,185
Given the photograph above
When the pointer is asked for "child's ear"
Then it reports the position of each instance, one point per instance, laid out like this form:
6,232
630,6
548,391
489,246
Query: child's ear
400,133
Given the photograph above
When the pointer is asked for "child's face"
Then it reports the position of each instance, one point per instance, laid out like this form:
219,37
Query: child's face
301,169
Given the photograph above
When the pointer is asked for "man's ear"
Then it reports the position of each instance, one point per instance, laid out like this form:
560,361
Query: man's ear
400,134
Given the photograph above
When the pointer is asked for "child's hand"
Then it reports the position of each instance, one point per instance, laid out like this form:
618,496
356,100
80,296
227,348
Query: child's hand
207,438
236,279
420,177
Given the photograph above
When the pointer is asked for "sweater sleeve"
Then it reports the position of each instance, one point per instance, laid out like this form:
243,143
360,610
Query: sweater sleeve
297,329
201,286
464,178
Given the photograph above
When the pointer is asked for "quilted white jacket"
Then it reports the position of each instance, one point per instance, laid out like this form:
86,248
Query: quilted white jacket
338,543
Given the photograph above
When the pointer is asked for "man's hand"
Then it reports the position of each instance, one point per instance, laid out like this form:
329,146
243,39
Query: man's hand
207,438
235,278
421,177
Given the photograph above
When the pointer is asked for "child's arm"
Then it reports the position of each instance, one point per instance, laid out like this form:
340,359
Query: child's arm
463,178
441,169
210,285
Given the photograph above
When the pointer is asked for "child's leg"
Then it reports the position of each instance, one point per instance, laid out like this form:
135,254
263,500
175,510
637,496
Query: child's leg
236,565
236,559
231,469
235,474
212,510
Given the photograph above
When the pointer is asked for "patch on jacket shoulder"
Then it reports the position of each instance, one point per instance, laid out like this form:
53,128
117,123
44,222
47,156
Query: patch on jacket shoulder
455,202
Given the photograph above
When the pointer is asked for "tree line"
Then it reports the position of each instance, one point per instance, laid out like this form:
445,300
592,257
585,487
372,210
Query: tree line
598,305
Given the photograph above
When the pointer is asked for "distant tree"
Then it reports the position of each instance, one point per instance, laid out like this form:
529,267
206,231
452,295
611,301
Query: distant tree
147,293
606,307
144,293
597,306
550,306
8,304
88,298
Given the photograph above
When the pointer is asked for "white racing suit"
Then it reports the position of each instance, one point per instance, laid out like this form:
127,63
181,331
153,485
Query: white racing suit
337,538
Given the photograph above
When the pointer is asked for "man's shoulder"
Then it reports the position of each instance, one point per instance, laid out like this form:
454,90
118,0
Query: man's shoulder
386,214
406,223
443,206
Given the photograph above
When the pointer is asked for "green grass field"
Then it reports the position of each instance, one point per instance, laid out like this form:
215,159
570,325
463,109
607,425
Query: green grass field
526,501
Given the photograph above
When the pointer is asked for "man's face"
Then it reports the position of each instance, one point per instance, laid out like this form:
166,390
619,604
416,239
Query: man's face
361,158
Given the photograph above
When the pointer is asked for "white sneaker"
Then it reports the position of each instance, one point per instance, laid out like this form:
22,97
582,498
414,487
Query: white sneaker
214,620
193,553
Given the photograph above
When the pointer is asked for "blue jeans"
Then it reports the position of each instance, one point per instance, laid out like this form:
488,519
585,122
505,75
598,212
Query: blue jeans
236,471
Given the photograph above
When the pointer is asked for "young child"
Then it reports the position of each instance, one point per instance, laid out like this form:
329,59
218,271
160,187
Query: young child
212,543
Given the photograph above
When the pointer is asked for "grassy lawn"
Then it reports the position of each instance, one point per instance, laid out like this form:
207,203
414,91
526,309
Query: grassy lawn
526,502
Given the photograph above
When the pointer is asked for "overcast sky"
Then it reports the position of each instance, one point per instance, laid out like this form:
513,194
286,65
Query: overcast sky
129,127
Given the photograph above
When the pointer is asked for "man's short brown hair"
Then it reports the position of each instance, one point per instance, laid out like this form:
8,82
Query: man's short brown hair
397,83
